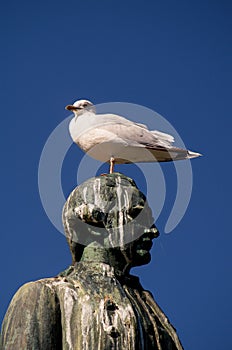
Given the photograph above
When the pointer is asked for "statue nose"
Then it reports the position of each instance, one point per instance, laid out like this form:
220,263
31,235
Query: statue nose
152,232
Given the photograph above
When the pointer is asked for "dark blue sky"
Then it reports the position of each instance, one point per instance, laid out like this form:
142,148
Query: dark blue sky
171,56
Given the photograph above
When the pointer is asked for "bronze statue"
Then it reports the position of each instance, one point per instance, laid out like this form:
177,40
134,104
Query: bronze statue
95,304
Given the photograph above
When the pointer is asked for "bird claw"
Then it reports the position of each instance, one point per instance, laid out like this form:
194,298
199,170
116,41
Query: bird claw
112,160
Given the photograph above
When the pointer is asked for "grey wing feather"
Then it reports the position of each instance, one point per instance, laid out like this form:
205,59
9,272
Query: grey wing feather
167,138
139,135
142,125
163,136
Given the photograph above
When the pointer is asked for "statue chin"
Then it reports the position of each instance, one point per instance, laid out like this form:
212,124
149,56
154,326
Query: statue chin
142,257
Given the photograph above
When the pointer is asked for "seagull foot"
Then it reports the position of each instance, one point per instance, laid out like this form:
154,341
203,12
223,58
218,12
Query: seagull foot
112,161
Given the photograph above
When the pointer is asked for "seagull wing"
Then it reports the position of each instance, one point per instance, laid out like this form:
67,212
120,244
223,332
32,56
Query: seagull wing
134,133
138,136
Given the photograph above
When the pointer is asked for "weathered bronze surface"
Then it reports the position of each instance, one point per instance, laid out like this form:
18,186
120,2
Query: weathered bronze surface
95,304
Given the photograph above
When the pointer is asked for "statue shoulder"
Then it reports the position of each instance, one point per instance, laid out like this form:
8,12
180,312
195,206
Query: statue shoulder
34,289
34,310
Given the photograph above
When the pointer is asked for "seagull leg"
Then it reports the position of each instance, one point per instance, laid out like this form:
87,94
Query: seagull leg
112,160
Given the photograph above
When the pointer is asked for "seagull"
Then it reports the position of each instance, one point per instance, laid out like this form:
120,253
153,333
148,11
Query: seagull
114,139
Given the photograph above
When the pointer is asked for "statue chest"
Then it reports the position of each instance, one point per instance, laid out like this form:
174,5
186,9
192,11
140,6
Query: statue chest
100,313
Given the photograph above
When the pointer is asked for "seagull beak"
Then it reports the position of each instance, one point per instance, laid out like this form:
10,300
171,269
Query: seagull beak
72,108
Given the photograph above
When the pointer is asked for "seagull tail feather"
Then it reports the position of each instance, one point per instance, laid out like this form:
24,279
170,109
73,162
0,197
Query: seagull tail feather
191,154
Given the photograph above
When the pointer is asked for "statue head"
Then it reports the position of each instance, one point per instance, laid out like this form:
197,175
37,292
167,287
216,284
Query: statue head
108,216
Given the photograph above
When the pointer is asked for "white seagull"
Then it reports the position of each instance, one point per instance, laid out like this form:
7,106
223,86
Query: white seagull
115,139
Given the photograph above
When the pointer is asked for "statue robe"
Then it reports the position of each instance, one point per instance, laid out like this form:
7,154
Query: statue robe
87,307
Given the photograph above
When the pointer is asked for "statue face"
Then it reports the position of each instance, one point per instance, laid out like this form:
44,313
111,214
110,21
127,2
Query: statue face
139,250
111,212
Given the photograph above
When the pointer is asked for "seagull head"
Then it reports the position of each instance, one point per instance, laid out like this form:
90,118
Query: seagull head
80,106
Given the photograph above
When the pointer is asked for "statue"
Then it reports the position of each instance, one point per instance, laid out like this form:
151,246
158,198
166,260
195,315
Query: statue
95,303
